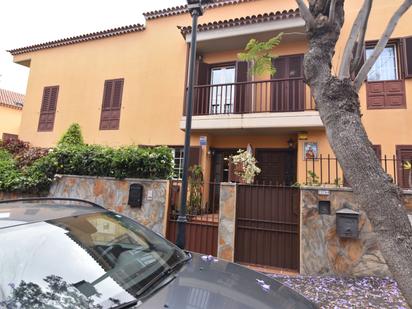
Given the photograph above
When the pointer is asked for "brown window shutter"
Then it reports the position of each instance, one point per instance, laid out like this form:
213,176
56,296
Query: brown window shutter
242,95
375,92
386,94
403,154
395,94
48,108
407,56
107,96
111,105
201,94
202,73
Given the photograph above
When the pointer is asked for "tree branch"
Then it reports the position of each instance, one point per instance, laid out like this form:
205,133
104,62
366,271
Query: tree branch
361,19
305,13
381,44
361,42
332,11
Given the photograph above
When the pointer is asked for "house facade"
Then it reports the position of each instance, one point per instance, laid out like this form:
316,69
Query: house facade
11,105
127,86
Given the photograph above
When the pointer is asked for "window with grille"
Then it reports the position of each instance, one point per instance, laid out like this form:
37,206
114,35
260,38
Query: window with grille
385,67
178,162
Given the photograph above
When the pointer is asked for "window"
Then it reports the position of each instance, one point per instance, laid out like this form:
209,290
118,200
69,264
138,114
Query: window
178,162
385,67
112,103
48,108
178,154
385,87
222,96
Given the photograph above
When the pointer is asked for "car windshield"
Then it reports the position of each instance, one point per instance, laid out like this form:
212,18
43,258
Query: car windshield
98,260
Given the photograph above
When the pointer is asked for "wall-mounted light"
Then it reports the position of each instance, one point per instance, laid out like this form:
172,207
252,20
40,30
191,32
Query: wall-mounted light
291,144
302,136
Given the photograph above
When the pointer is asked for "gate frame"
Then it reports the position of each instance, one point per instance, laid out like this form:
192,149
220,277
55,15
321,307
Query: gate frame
296,210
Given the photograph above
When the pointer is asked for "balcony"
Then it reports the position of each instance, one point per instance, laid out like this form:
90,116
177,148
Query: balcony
274,103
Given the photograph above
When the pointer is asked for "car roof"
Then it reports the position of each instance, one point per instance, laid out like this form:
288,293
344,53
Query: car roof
29,210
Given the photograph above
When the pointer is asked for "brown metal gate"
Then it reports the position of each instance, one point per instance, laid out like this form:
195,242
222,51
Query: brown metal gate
202,225
267,226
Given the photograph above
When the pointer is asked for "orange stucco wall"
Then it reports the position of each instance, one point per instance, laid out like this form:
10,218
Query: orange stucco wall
153,64
10,119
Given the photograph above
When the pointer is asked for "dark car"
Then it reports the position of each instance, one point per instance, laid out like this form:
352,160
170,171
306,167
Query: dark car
66,253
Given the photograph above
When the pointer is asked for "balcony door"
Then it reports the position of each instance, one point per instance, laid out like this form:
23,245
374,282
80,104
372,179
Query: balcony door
222,91
288,87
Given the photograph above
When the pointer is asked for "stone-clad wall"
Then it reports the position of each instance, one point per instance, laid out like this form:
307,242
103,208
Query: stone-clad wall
113,194
323,252
227,221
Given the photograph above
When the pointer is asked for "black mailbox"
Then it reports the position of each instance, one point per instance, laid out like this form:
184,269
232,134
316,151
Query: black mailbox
135,195
347,223
324,207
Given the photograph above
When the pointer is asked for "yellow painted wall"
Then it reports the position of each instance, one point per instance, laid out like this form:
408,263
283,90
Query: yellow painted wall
10,119
153,64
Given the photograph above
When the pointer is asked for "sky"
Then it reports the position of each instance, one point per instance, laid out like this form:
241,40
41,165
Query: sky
28,22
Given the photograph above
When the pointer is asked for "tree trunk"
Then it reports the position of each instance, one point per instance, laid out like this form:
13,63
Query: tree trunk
373,188
338,104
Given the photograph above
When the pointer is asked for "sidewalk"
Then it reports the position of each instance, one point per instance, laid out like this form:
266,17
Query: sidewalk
345,293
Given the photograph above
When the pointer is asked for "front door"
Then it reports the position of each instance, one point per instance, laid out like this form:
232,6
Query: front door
278,166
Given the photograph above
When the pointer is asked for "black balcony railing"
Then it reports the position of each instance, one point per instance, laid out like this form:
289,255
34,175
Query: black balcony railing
280,95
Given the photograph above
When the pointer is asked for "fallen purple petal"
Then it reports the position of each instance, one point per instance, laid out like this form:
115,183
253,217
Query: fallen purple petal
260,281
266,287
209,258
339,292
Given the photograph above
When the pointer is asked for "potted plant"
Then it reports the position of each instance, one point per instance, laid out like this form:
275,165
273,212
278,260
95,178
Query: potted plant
245,166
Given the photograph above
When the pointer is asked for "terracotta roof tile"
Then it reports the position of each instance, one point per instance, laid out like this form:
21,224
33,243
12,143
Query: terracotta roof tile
79,39
182,9
11,99
241,21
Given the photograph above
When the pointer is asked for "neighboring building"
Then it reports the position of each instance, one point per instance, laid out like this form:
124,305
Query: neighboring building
127,86
11,105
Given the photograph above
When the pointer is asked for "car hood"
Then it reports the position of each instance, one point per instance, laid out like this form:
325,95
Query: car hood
212,283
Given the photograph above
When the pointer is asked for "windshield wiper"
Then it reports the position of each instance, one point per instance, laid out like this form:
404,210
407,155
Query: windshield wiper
163,274
129,304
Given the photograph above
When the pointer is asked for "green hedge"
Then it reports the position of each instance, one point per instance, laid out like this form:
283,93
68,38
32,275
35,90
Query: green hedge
73,157
10,176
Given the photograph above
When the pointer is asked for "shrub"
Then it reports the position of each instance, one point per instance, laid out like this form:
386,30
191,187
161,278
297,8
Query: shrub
14,146
29,156
32,170
89,160
145,162
72,137
10,177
